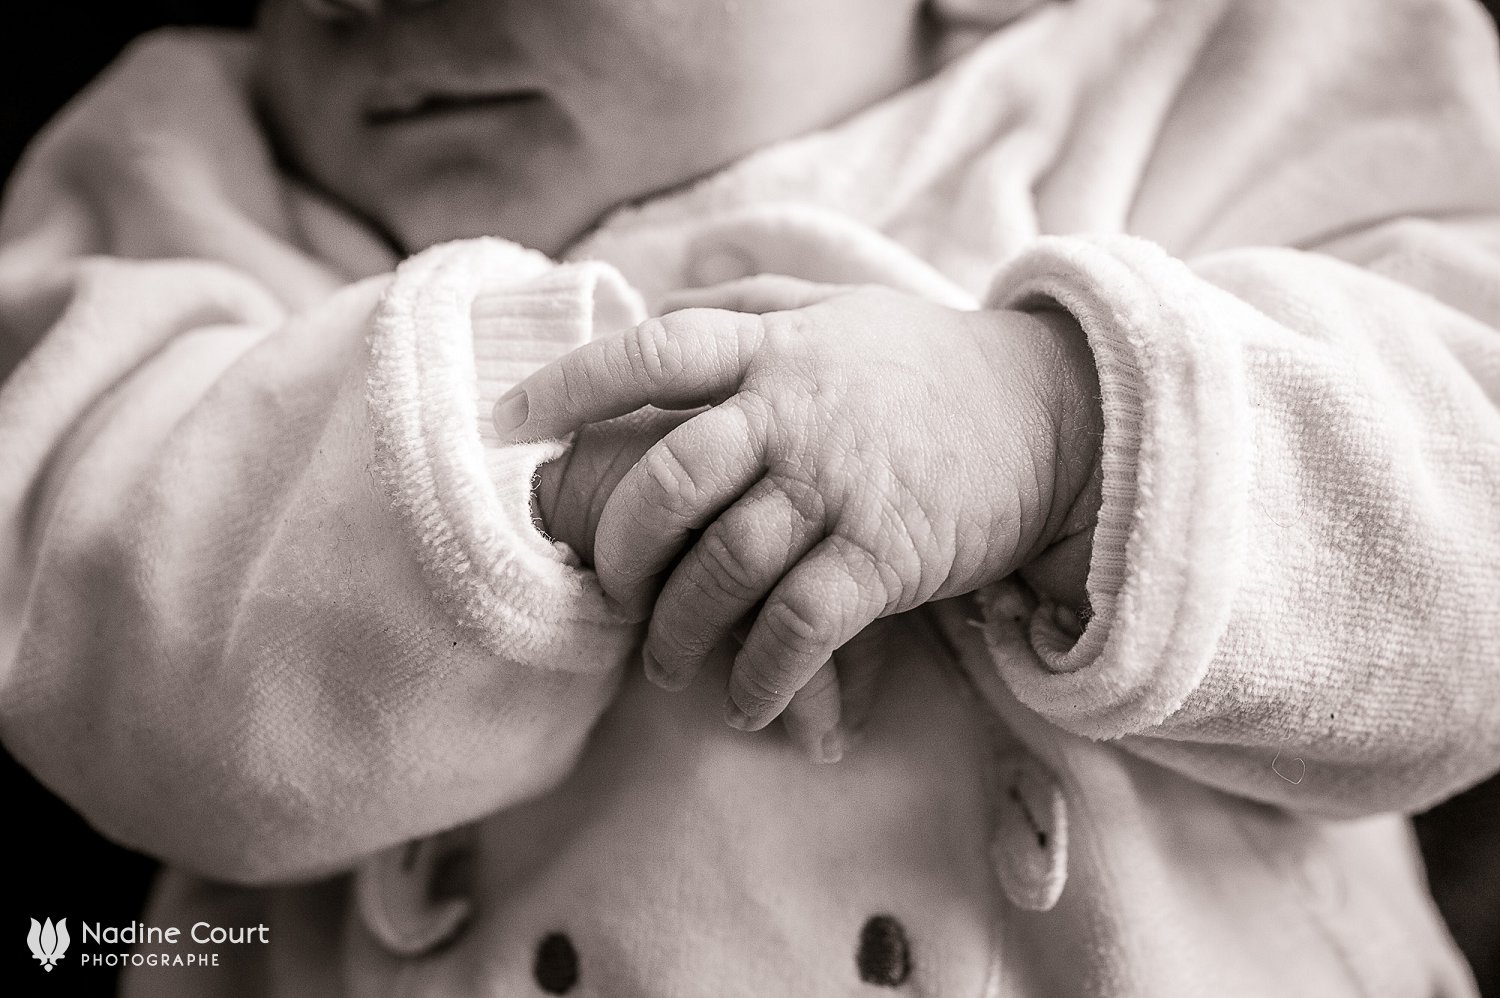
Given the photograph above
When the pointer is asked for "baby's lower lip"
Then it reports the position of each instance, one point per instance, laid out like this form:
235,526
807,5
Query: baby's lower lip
444,105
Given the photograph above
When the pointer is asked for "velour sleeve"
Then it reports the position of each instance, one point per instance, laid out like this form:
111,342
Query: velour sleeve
273,597
1294,591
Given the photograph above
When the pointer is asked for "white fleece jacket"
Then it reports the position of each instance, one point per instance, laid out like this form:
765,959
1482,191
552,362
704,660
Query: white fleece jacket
272,598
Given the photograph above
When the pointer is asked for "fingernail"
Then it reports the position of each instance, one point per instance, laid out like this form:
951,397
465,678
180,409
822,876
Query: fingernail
510,411
737,718
659,674
832,747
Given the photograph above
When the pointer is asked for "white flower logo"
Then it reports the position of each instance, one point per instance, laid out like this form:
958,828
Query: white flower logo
48,944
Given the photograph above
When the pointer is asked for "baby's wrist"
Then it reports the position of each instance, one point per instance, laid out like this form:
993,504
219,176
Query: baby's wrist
1068,384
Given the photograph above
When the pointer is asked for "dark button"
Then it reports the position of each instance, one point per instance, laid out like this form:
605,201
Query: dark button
556,967
884,956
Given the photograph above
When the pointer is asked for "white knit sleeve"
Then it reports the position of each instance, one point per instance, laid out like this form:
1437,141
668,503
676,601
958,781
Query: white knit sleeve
1276,223
1295,584
460,325
273,599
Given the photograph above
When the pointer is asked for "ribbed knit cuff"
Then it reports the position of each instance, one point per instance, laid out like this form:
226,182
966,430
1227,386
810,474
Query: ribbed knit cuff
1168,547
461,324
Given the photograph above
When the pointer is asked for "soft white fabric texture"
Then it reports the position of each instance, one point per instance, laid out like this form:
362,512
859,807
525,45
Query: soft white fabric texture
273,601
264,614
464,499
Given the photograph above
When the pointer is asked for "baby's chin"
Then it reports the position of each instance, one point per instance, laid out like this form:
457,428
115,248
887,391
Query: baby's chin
417,208
414,223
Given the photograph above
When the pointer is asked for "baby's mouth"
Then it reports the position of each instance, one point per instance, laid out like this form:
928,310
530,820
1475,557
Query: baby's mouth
397,105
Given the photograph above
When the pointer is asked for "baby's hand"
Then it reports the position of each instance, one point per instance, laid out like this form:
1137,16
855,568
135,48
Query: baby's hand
571,491
865,452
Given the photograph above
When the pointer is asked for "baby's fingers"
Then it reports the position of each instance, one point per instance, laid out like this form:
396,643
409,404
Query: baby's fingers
680,361
812,717
826,714
825,600
674,490
736,562
861,663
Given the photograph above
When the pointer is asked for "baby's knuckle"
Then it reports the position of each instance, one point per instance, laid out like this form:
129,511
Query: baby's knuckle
874,580
669,482
759,691
797,626
575,387
653,355
749,340
786,334
802,496
756,403
730,565
678,645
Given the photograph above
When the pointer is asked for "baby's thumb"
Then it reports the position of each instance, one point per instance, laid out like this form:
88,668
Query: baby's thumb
813,719
830,710
861,664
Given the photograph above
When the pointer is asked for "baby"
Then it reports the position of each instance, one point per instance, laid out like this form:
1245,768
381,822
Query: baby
1167,330
473,119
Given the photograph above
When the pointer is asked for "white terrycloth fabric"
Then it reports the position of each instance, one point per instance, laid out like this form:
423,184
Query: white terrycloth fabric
464,500
257,549
273,599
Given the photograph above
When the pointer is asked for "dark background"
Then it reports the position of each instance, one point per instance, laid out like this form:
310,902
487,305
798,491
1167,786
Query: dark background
59,867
